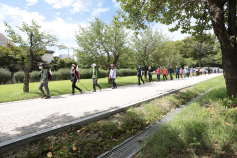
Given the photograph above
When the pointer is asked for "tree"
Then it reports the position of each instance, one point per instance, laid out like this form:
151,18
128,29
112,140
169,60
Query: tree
217,14
35,45
146,45
101,43
198,49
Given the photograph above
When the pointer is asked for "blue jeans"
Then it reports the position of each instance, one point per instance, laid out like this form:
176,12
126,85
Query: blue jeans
114,84
158,77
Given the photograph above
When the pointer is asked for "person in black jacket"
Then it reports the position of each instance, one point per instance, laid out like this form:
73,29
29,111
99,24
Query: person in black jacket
171,73
74,78
139,74
150,72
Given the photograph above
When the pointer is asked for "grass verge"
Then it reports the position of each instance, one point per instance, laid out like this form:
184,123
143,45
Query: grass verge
206,128
98,137
14,92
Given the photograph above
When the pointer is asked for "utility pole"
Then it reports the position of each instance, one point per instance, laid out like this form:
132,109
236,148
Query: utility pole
68,53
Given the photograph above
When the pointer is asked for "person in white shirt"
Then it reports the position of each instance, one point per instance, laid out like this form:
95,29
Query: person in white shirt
185,72
112,75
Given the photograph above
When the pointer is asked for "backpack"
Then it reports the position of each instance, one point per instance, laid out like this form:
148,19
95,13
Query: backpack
79,75
49,76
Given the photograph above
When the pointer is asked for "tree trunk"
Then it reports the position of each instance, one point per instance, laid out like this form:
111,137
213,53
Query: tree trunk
227,40
199,61
146,72
26,81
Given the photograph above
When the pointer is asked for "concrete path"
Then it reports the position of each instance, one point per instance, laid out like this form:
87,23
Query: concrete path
25,117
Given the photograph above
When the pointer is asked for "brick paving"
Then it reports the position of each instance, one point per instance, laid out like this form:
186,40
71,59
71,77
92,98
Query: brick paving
24,117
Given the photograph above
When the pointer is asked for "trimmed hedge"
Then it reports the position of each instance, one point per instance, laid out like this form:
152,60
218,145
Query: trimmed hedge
34,76
19,76
5,76
64,74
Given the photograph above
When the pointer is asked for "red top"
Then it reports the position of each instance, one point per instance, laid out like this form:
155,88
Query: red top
158,71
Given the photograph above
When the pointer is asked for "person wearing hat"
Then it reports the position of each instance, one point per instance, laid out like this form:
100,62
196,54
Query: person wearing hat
150,72
44,81
95,78
139,74
177,72
74,78
112,75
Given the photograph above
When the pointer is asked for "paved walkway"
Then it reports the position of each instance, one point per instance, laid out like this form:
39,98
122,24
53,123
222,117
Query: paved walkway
25,117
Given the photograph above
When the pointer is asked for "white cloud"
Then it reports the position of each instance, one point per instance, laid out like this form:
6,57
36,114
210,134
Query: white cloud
97,11
31,2
79,7
60,3
116,4
58,13
63,30
99,5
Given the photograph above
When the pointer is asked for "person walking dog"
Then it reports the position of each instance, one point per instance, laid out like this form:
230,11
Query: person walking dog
158,72
44,74
75,76
112,75
164,72
95,78
139,74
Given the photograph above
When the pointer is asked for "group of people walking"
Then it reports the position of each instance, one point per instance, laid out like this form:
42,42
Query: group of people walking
75,76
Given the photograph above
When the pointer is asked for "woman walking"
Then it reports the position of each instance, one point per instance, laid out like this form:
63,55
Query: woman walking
181,72
191,70
158,71
74,78
95,78
112,75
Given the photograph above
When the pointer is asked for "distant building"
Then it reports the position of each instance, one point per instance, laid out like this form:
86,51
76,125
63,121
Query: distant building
64,56
47,57
4,40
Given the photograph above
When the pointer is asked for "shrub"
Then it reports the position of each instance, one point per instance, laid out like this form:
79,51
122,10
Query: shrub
127,72
64,74
55,76
5,76
34,76
19,76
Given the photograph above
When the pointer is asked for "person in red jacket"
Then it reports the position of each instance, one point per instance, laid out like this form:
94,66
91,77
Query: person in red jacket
158,72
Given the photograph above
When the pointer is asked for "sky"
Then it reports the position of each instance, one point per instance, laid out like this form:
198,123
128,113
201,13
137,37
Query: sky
61,17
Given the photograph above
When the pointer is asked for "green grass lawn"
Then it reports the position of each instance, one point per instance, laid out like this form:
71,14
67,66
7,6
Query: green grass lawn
14,92
206,128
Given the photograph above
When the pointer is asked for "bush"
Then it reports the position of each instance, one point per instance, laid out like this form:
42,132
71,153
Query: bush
5,76
19,76
64,74
34,76
127,72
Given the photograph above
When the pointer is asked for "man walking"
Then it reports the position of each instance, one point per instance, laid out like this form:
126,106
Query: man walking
188,72
44,81
177,72
150,72
171,73
139,74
